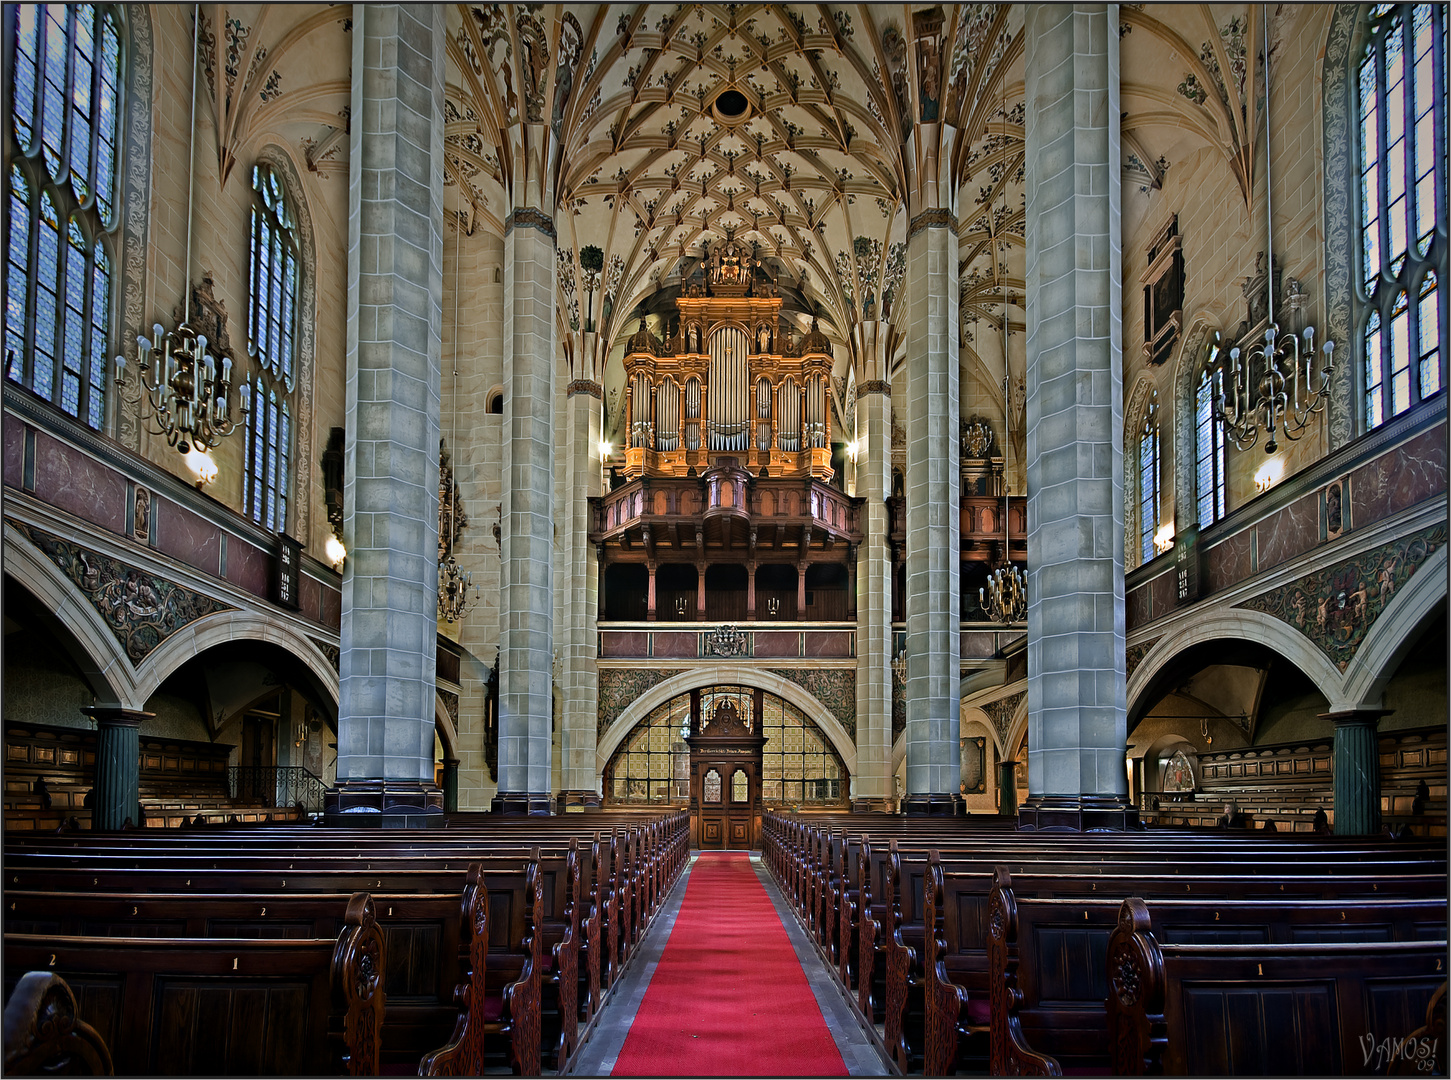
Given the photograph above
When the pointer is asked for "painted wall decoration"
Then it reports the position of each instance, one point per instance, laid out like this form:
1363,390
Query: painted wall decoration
833,687
1134,656
1179,773
142,610
1336,607
1001,713
619,687
899,709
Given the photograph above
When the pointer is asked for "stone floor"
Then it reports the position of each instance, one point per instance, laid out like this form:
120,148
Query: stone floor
597,1056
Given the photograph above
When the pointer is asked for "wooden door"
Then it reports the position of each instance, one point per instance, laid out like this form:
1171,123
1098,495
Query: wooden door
728,794
725,781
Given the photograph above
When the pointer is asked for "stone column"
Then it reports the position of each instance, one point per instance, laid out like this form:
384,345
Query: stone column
584,403
395,299
450,784
874,570
1007,787
1357,771
526,628
117,797
933,604
1076,696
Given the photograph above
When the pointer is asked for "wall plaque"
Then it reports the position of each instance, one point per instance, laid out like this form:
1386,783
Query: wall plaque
288,566
1186,565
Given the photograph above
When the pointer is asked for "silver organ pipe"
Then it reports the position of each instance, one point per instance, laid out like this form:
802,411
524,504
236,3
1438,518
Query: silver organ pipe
642,411
728,395
763,413
788,416
816,411
692,414
667,415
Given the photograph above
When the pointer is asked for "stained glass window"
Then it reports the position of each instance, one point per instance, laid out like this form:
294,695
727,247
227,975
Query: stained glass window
1209,441
61,141
1149,480
798,764
271,340
1402,89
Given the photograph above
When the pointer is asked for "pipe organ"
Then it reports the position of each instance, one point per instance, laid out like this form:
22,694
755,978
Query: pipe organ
728,381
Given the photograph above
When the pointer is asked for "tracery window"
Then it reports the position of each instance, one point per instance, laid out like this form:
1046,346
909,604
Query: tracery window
1402,112
654,762
798,764
272,341
1149,493
1209,441
61,141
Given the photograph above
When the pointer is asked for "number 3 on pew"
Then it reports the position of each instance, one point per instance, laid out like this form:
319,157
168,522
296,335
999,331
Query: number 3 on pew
133,909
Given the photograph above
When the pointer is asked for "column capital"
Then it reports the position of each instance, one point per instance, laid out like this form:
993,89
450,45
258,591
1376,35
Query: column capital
533,218
114,716
1356,717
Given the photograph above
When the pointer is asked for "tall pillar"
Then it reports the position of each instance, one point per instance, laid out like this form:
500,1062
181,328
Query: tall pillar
118,766
1357,771
874,788
395,301
934,621
584,402
1076,696
450,784
526,630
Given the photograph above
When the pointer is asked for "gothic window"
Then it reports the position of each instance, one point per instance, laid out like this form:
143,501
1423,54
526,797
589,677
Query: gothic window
61,142
1149,491
1402,112
272,340
712,786
1209,441
654,763
798,764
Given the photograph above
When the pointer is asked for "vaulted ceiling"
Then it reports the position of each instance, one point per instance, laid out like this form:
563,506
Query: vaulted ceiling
653,130
785,127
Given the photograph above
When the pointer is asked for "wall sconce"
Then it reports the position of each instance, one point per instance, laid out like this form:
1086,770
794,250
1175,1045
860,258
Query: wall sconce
336,552
773,606
1269,474
333,468
680,607
853,448
605,449
202,466
1164,538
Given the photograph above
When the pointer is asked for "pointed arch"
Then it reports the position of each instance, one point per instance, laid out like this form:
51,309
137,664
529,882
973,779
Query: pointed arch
1393,634
685,681
76,623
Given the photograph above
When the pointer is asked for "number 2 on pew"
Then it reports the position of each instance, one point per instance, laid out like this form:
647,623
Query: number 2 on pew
52,959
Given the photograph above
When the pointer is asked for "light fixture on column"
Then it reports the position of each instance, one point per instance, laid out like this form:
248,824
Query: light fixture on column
190,394
1263,386
1005,597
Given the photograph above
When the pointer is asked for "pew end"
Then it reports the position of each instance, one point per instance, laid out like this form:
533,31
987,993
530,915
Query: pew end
43,1034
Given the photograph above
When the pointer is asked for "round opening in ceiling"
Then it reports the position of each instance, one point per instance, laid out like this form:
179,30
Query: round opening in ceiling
731,106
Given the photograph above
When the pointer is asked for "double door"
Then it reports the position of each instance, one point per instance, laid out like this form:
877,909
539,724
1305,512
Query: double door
726,792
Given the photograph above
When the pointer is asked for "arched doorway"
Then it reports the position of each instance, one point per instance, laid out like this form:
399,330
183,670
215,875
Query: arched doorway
797,764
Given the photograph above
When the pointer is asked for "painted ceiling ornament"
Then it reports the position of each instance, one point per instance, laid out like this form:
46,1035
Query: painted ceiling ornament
533,60
927,28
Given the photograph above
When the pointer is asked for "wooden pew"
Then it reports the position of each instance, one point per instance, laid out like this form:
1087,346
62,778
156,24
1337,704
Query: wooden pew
1047,956
1281,1009
813,862
655,856
185,1006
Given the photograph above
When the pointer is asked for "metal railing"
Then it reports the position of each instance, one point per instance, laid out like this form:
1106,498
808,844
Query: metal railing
276,785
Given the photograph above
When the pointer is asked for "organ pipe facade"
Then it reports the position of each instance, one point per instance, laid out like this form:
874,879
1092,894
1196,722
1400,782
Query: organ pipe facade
728,381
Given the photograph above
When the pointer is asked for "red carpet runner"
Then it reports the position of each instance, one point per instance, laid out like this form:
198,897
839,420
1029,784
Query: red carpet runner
728,997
